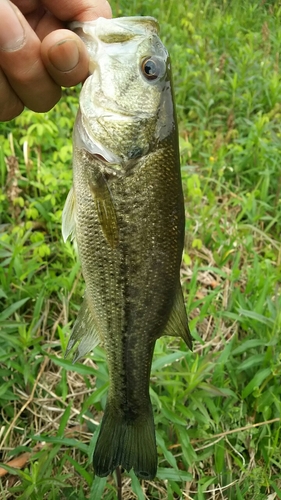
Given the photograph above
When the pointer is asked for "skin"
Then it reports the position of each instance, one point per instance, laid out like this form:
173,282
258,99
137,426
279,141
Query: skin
38,55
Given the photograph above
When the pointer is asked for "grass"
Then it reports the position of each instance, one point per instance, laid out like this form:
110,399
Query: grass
218,409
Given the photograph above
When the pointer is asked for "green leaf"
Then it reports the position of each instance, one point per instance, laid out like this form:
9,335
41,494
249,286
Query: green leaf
172,416
256,381
96,396
136,487
249,344
173,475
63,421
98,488
255,360
73,443
186,446
167,360
2,293
256,316
77,367
219,456
80,469
16,472
12,309
276,488
167,454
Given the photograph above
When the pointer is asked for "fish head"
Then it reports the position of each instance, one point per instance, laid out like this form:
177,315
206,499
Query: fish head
126,103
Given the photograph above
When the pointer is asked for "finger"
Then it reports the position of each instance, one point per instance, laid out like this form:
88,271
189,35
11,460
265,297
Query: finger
11,106
78,10
40,20
44,24
65,57
27,6
20,60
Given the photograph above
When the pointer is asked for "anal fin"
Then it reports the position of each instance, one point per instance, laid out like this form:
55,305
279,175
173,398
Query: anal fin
84,331
177,324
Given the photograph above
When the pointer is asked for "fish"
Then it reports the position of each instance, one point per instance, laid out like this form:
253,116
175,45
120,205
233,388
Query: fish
126,212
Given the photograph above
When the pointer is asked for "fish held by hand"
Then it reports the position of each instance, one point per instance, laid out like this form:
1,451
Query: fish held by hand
126,212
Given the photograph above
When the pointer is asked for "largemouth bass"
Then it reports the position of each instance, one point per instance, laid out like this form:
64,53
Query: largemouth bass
126,211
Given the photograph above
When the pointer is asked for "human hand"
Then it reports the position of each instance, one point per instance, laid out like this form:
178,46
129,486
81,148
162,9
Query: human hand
38,55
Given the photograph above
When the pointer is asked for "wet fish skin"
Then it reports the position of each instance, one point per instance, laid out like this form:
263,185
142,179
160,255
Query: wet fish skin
126,212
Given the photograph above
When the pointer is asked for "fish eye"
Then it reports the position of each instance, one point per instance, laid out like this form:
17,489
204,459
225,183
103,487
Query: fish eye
153,68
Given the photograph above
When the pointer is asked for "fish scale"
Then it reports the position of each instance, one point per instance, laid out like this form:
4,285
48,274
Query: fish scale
126,212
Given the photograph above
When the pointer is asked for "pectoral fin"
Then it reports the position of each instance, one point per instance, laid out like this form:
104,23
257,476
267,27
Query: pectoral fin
68,217
105,209
84,331
177,324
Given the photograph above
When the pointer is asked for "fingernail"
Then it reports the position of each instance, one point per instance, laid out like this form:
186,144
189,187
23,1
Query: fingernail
12,35
64,56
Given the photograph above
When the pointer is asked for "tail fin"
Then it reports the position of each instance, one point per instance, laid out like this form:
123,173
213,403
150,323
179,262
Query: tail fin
130,444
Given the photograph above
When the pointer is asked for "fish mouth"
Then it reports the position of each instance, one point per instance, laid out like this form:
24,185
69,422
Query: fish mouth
118,29
101,158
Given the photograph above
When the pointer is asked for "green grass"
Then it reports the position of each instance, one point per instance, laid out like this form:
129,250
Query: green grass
218,409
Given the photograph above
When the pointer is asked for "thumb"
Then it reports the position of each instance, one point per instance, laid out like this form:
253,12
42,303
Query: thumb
65,57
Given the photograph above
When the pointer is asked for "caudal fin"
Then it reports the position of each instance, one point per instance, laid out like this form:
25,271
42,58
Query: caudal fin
130,444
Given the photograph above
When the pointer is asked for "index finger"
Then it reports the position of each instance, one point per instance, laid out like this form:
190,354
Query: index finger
78,10
21,65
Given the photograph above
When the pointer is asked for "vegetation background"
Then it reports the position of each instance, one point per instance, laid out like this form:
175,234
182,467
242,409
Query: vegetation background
217,410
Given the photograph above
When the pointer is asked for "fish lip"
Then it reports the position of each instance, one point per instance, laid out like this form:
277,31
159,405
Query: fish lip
120,22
